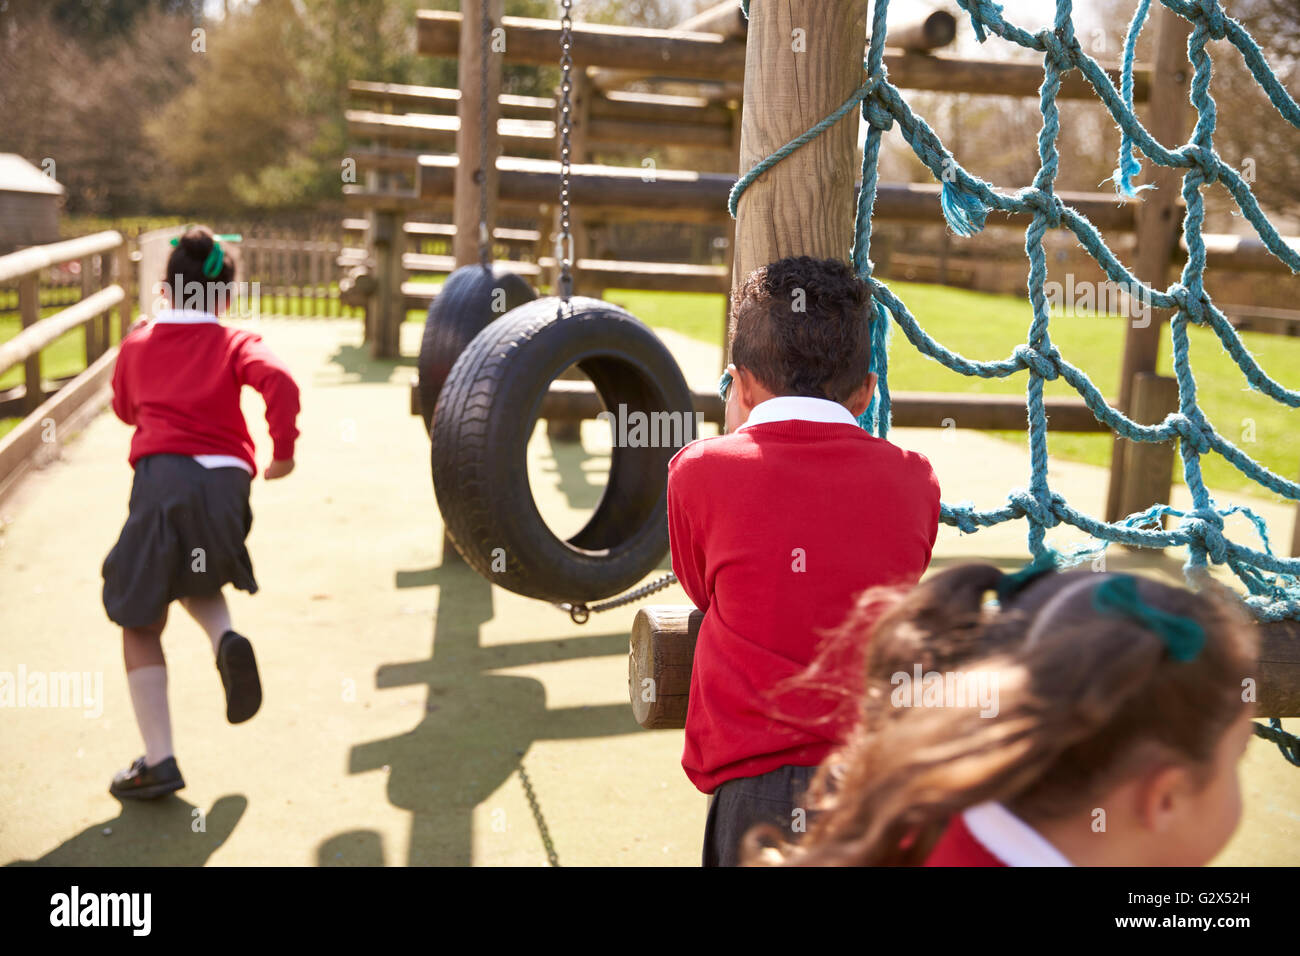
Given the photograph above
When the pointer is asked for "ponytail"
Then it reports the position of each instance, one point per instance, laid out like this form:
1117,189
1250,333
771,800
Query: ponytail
1082,705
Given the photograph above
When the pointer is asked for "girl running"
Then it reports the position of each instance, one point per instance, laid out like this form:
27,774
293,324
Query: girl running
178,380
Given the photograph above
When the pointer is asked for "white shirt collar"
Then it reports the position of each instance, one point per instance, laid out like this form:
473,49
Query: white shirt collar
183,316
1009,838
786,408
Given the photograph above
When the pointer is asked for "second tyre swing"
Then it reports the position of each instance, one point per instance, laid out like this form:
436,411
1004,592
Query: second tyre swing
489,404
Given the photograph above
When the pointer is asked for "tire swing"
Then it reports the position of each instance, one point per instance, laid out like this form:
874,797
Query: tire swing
487,412
473,295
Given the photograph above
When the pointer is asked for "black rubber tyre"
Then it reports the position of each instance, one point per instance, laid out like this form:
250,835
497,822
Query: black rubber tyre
481,429
458,313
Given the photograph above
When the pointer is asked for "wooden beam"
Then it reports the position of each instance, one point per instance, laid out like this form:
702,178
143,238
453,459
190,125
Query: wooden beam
1157,229
709,56
672,52
33,258
32,339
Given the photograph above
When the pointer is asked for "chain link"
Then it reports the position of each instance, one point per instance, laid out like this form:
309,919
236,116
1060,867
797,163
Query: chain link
564,243
579,613
537,815
484,232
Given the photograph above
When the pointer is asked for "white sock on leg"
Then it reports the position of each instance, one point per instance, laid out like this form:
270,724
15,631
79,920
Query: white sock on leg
211,614
149,698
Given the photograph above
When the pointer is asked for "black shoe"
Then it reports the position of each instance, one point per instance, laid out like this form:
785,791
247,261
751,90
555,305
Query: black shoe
238,670
142,782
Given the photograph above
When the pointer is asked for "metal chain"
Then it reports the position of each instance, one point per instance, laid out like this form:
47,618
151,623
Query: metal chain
564,242
484,233
579,612
537,815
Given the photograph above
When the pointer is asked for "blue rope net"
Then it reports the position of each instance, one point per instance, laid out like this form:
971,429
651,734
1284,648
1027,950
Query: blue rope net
1272,582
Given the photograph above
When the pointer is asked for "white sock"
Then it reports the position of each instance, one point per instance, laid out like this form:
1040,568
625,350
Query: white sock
212,615
149,698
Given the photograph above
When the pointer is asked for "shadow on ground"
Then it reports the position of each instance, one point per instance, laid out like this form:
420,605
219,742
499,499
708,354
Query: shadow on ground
357,363
479,725
166,832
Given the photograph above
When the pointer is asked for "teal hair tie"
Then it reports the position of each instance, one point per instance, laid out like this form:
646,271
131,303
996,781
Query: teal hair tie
1183,637
1012,584
724,385
216,259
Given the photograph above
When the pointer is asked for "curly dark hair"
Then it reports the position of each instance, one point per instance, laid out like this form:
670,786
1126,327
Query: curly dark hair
802,327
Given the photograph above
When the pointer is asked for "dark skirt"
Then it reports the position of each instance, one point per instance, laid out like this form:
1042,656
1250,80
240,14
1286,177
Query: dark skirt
184,536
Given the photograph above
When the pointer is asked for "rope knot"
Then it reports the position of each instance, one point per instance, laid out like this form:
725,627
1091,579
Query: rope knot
963,516
1043,204
1189,431
1193,305
1059,49
1043,364
1216,24
875,112
1203,159
1040,512
1206,526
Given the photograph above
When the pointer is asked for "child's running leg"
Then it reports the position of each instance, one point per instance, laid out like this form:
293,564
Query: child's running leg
156,773
234,653
212,614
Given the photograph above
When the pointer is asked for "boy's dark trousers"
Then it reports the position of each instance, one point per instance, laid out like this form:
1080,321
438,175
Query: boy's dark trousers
739,804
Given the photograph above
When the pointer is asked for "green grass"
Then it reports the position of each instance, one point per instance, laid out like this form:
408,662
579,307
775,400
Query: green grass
984,326
979,326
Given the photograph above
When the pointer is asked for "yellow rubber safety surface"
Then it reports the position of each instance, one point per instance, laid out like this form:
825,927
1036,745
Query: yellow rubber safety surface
402,691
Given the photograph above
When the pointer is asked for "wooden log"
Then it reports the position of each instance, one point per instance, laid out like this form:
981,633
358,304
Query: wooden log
1157,226
1149,466
661,652
804,205
923,33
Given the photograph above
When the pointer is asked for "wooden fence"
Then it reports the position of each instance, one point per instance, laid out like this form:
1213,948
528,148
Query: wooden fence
53,409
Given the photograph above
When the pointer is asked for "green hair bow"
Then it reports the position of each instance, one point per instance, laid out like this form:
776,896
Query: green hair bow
1183,637
216,259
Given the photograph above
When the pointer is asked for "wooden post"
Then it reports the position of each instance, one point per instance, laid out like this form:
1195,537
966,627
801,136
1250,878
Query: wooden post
87,264
389,304
123,273
29,306
1295,534
1149,466
1157,230
803,205
475,170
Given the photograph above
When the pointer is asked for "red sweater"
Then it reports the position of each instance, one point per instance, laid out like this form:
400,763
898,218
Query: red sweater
958,847
179,383
746,511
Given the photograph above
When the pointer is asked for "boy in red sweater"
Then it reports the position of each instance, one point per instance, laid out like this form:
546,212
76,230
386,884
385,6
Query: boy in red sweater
776,527
177,380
